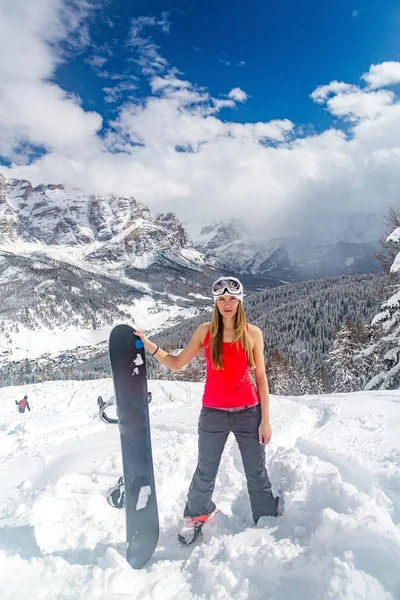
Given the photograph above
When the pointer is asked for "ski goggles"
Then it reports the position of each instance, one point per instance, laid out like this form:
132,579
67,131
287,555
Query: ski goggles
227,285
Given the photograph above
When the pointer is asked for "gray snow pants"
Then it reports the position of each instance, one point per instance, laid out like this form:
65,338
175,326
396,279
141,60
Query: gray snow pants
214,428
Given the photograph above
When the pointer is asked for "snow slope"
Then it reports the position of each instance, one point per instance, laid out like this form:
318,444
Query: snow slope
146,313
336,459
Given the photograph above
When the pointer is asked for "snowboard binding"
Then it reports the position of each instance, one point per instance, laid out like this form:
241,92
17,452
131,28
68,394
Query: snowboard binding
104,405
116,494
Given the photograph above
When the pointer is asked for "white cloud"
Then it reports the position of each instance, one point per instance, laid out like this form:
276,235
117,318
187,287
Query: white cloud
169,80
351,102
258,132
97,61
386,73
149,57
32,110
51,118
173,151
238,95
359,104
322,93
114,93
223,103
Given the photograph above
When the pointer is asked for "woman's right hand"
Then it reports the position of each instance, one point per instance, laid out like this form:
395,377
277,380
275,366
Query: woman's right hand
141,335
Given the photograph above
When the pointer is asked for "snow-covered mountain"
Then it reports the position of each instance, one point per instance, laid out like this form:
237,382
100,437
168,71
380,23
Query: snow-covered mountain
115,231
73,264
320,252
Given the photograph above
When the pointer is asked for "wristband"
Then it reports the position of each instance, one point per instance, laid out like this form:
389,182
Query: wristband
155,351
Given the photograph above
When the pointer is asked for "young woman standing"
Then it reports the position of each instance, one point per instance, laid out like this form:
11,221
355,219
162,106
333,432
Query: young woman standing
231,403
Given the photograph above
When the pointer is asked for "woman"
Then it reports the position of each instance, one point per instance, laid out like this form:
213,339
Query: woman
231,403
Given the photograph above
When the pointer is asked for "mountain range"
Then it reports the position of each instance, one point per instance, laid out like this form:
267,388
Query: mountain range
297,257
72,264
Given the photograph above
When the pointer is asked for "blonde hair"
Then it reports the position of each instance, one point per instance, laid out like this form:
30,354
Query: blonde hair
241,336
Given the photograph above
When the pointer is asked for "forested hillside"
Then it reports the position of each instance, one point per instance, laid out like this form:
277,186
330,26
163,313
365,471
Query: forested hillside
298,320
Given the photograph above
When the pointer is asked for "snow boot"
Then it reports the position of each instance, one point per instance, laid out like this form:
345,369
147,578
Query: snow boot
192,527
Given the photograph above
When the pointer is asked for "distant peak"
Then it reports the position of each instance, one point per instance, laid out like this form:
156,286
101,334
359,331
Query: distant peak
49,186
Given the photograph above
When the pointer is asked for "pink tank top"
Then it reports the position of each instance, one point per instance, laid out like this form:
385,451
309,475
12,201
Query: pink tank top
231,386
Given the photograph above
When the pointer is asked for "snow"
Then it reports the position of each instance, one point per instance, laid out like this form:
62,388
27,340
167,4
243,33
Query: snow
395,268
200,296
146,313
28,343
381,317
193,255
142,262
72,255
394,236
152,315
335,458
394,301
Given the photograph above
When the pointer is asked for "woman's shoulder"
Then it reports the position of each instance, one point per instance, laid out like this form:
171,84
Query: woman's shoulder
203,329
254,331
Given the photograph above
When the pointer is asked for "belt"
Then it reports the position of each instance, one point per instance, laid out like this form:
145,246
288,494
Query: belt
236,409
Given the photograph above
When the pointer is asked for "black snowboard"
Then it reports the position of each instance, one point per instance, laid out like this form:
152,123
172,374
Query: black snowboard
128,364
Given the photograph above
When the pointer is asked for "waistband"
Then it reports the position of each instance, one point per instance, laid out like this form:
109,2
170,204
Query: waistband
236,409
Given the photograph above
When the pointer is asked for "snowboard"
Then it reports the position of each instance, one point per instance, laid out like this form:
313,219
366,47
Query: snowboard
128,365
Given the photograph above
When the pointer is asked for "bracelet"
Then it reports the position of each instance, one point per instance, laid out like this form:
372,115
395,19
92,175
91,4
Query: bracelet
156,350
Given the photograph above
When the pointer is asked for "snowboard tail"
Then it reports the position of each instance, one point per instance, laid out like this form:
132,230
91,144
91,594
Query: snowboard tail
128,364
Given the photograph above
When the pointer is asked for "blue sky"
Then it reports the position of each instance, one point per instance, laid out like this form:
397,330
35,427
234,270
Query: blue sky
256,110
277,51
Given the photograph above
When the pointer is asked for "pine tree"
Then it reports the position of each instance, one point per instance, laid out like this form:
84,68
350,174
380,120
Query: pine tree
278,373
307,378
350,369
319,380
300,381
387,322
389,249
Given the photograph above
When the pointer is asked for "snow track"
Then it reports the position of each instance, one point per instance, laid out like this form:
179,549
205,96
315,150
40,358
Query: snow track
335,458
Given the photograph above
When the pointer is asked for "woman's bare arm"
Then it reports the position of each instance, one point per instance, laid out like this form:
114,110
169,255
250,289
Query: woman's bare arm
183,358
260,374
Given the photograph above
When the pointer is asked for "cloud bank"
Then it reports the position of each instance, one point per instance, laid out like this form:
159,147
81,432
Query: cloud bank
172,149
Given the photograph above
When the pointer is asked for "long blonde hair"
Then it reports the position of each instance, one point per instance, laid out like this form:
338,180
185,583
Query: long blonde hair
241,337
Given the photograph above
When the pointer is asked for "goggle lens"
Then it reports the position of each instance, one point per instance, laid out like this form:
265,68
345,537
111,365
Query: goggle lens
232,285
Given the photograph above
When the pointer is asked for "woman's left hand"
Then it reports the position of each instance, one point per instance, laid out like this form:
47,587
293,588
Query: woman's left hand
264,433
